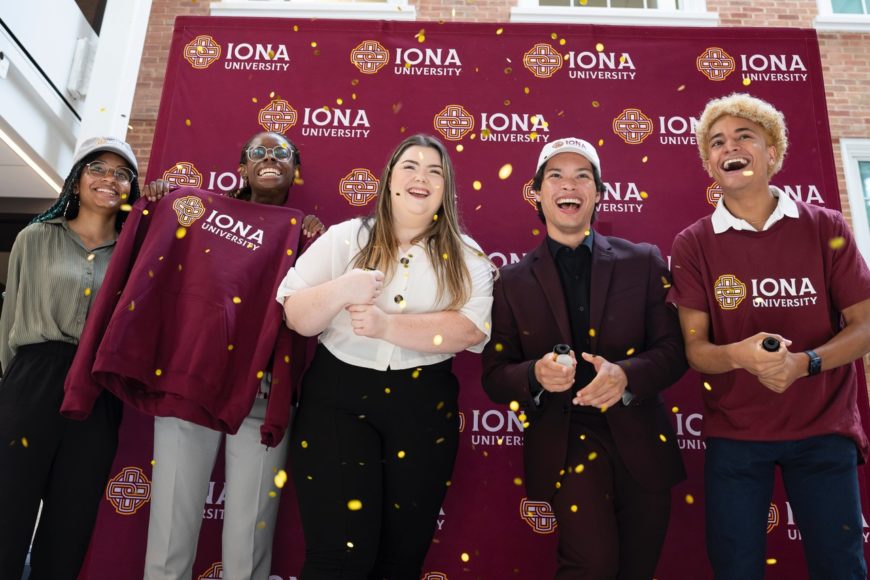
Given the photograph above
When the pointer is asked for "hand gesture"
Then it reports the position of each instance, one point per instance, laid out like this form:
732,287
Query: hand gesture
311,226
554,377
368,320
156,189
606,389
362,286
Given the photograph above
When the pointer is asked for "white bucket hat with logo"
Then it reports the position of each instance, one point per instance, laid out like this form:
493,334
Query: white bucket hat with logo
570,145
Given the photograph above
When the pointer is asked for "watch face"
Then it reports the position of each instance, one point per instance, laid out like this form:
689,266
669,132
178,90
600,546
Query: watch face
815,364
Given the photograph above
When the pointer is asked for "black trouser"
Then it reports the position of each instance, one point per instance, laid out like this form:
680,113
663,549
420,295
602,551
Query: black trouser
64,463
386,439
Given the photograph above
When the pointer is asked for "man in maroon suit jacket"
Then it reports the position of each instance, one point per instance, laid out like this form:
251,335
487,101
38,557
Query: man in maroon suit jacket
598,443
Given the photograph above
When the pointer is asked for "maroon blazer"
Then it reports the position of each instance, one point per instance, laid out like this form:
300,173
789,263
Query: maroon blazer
628,311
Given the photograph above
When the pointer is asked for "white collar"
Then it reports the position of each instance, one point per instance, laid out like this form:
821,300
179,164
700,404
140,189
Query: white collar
723,220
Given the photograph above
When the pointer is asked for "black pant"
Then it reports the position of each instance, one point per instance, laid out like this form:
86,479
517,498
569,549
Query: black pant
610,528
64,463
385,439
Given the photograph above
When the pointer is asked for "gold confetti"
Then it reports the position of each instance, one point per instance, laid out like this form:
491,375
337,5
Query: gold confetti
445,256
387,390
126,207
746,81
459,147
574,508
464,555
533,135
339,101
295,28
507,102
644,195
663,438
87,291
400,454
158,372
230,347
505,171
599,47
645,158
837,243
675,409
708,386
596,104
280,479
499,347
536,231
526,90
273,493
354,505
592,455
579,468
690,499
591,330
272,95
253,99
187,122
289,252
499,31
261,525
415,374
562,41
629,352
132,306
437,340
313,44
181,232
600,142
350,545
521,417
260,374
153,462
25,442
518,481
237,300
477,185
514,406
681,88
287,359
770,561
554,36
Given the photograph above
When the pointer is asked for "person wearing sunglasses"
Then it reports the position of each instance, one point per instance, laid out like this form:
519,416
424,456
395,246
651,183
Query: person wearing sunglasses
185,453
56,268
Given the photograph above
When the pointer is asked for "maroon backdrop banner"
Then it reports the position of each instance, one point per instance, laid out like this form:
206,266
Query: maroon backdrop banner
346,92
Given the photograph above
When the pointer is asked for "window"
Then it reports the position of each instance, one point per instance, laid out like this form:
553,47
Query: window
625,12
856,166
357,9
843,15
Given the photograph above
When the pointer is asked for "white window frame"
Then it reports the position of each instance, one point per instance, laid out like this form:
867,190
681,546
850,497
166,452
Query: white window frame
349,9
853,151
691,13
829,20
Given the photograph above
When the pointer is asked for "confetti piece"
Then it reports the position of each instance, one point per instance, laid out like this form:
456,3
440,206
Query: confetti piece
681,88
350,545
770,561
574,508
521,417
591,330
514,406
477,185
675,409
339,101
644,195
400,454
437,340
707,386
536,232
132,306
464,557
507,102
599,47
600,142
562,42
445,256
837,243
645,158
499,347
499,31
415,374
230,347
126,207
273,493
260,374
746,82
181,232
554,36
25,443
280,479
663,438
187,122
579,468
690,499
87,291
526,90
237,300
287,358
629,352
596,104
313,44
459,147
289,252
354,505
387,390
158,372
505,171
261,525
254,99
592,456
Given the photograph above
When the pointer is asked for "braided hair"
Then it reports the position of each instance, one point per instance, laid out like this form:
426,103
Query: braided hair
244,192
67,204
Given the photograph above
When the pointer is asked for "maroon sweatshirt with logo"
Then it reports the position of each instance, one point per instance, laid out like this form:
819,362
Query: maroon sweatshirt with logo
185,324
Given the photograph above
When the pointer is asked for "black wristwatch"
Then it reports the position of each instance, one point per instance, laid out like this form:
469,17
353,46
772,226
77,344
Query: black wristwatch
815,365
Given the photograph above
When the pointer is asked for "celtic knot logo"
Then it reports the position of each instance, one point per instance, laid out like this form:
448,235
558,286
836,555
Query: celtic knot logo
128,491
529,194
772,517
633,126
434,576
369,57
358,187
277,116
188,209
202,51
454,122
543,60
715,64
183,174
714,194
539,515
214,572
729,291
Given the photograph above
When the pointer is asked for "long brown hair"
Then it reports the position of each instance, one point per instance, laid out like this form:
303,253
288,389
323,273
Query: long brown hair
443,236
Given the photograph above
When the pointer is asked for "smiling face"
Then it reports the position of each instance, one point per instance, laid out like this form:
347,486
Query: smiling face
568,197
103,194
739,156
269,178
416,186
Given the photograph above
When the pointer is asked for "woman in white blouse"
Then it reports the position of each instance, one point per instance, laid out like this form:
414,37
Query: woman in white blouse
393,297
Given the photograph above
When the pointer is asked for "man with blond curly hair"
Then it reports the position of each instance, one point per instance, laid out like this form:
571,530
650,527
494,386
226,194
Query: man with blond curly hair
774,306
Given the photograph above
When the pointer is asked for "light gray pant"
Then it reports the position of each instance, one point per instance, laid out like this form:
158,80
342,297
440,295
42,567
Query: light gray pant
184,456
